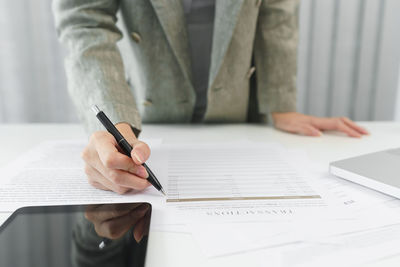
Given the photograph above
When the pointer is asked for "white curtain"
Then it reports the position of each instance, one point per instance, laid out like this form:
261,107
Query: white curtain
32,79
349,55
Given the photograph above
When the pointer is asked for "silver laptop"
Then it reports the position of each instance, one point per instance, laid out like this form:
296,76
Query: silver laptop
379,171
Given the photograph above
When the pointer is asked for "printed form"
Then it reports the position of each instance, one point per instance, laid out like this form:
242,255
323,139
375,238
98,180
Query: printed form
236,182
232,172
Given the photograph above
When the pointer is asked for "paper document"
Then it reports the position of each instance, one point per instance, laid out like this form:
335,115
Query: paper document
52,174
349,208
353,249
233,172
234,182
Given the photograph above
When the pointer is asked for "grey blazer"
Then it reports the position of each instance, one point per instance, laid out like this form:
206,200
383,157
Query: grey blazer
147,76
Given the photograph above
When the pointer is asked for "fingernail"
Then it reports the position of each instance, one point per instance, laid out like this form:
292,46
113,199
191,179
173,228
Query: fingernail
317,133
136,155
141,171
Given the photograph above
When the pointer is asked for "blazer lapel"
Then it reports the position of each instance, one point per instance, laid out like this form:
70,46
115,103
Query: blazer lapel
172,19
226,16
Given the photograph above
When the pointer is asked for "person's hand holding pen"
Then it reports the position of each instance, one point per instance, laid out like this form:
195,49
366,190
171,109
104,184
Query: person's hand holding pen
108,168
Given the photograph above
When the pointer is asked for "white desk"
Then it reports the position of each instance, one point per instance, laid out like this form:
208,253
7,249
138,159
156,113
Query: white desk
174,249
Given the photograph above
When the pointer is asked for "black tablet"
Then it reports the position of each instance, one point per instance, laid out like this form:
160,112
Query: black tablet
111,235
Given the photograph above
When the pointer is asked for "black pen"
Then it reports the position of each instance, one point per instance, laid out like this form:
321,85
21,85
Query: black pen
125,146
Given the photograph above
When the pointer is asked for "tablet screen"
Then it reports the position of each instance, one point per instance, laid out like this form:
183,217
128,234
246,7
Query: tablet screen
76,235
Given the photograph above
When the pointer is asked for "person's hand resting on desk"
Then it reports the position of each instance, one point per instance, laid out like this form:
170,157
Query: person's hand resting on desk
298,123
109,169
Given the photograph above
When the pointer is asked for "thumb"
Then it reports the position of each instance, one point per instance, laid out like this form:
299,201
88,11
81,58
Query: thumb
140,152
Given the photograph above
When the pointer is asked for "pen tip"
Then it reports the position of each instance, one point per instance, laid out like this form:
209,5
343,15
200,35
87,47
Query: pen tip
162,191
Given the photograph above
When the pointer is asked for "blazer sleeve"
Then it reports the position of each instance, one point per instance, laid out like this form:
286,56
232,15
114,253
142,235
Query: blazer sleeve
275,55
94,66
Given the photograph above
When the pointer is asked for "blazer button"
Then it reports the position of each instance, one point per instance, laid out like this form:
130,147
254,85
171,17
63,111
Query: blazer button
250,72
136,37
147,103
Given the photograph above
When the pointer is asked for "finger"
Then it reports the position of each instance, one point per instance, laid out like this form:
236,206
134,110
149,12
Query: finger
97,179
138,232
341,126
111,158
142,226
93,178
106,148
90,212
118,178
109,211
93,207
140,152
127,179
109,155
354,126
309,130
324,123
335,124
118,161
99,186
117,227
